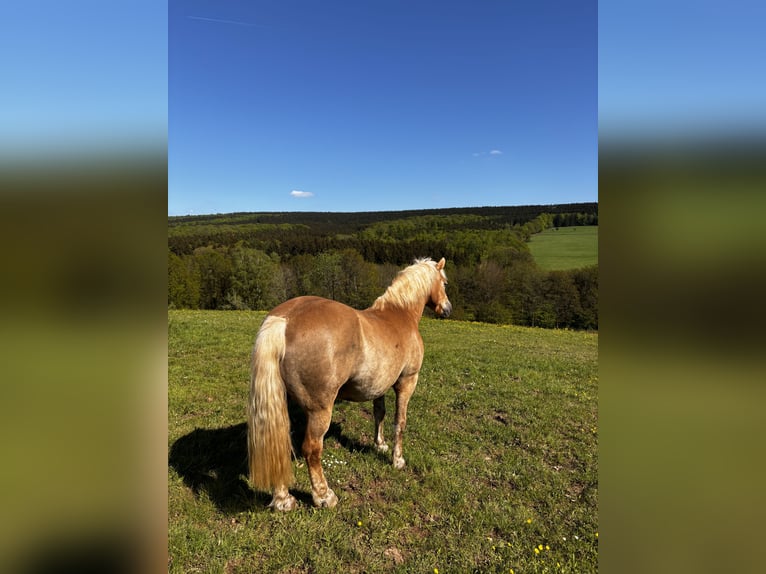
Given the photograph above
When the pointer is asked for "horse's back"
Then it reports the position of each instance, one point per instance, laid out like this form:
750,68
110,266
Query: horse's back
314,314
314,323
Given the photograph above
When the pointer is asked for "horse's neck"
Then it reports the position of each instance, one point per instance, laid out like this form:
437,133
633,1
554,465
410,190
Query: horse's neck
411,313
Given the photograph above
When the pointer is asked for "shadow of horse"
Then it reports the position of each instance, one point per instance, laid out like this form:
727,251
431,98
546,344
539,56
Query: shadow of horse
214,463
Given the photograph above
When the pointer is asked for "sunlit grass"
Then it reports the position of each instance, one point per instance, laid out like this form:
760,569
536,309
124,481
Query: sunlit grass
565,247
501,450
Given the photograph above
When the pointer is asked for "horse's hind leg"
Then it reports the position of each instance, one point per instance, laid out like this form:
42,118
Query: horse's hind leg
316,426
282,500
404,388
379,410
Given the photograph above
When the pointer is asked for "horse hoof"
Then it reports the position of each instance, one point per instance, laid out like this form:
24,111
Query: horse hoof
399,463
382,447
329,500
283,504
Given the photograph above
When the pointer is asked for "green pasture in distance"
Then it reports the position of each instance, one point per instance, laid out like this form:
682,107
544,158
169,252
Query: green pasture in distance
565,247
501,447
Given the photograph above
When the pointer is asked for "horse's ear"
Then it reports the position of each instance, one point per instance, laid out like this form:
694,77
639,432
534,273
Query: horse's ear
441,263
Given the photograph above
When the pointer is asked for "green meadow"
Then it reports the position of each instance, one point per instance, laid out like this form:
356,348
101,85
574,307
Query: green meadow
501,450
565,247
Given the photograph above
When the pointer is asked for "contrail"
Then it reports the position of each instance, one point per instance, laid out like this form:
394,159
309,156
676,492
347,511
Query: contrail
220,21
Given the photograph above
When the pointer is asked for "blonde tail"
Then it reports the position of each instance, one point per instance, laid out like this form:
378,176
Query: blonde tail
268,424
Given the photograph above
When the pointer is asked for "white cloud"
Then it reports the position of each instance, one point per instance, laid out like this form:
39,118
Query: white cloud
301,194
495,152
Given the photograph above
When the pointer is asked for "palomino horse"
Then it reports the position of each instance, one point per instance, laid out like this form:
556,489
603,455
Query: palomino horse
316,351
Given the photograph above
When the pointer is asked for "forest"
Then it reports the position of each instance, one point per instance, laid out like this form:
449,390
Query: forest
257,260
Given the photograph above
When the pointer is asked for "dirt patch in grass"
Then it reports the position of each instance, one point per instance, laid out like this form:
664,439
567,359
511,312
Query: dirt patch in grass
395,555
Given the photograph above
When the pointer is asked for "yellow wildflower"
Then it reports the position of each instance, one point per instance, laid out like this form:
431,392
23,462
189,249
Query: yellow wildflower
537,551
359,523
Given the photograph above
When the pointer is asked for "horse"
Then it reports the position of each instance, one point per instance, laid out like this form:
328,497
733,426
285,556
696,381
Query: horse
317,351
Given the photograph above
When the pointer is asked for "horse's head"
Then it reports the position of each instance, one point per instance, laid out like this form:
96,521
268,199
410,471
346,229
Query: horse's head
437,299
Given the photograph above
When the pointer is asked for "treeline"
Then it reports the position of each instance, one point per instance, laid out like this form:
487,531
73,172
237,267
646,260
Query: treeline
329,223
380,237
230,262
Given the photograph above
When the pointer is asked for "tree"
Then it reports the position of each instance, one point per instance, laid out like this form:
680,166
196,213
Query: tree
327,275
183,282
462,291
300,276
256,280
491,293
525,293
215,276
562,298
586,282
358,281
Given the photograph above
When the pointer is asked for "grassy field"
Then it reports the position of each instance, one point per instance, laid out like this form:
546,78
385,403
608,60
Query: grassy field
501,450
565,248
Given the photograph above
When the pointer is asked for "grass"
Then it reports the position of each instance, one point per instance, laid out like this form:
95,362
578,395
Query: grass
565,247
501,450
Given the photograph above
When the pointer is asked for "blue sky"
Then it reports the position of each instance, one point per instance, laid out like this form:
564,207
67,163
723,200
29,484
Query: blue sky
357,106
681,69
373,105
82,77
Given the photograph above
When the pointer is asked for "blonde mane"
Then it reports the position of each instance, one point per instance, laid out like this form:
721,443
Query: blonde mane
410,286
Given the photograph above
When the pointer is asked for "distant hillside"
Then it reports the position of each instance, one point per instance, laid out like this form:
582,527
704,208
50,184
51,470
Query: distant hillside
256,260
294,233
350,222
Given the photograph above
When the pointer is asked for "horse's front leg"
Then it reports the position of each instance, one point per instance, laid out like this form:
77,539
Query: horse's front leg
316,426
379,410
404,388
